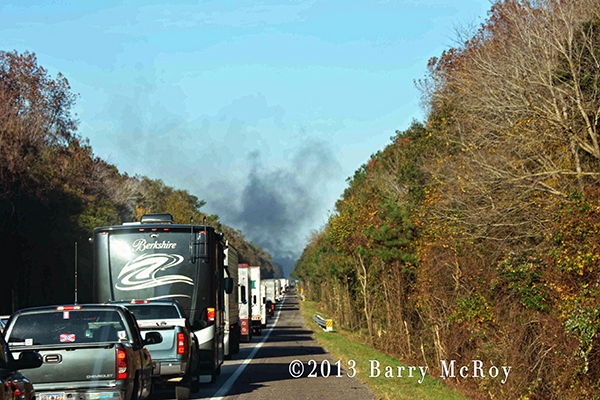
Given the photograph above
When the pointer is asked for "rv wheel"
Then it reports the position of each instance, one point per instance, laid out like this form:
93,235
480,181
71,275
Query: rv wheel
215,373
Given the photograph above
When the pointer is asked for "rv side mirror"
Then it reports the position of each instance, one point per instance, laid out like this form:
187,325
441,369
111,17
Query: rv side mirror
228,285
264,300
243,292
254,300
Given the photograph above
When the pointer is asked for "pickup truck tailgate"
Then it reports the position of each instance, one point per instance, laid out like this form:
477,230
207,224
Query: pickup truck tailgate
168,328
63,364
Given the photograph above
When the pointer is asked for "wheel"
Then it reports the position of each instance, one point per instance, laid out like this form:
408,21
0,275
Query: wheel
182,392
215,374
148,389
137,392
236,346
195,385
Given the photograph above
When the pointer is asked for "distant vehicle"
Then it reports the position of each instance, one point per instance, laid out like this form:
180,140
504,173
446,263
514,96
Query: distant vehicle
175,359
270,289
257,297
278,291
270,308
13,385
285,284
263,308
157,259
232,315
89,351
244,303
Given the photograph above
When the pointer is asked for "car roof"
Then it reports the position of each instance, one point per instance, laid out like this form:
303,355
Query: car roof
151,302
69,307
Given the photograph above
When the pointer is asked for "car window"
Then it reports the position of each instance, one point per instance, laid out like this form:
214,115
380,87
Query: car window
63,327
143,312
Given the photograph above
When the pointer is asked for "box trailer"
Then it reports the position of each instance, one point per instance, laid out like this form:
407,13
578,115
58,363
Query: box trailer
270,289
257,297
245,303
231,340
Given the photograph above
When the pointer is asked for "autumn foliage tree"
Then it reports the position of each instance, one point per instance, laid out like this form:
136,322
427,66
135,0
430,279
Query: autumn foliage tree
54,191
477,229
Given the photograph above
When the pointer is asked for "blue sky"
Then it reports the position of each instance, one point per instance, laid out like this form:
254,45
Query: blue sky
262,109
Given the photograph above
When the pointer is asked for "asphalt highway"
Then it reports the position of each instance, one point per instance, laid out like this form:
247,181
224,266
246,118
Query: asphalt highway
262,369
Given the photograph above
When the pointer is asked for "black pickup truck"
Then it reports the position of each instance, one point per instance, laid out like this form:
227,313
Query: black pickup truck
90,352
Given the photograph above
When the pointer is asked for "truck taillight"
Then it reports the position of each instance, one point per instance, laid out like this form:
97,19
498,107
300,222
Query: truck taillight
121,364
181,344
211,313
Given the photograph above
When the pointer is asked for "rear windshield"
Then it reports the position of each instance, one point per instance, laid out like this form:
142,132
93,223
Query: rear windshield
143,312
64,327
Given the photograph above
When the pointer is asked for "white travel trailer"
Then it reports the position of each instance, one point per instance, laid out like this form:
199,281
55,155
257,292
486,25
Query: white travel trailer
231,340
245,303
258,301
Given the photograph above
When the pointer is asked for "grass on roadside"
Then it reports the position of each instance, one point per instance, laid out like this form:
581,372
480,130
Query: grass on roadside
342,347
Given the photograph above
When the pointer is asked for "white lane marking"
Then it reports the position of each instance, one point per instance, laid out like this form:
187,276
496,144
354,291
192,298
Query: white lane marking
229,383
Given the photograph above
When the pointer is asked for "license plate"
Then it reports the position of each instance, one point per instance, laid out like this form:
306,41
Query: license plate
52,396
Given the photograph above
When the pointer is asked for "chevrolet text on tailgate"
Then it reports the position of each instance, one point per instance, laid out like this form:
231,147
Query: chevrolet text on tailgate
89,351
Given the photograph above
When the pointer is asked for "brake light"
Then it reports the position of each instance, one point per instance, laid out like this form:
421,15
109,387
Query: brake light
181,344
121,364
68,308
17,391
211,313
139,302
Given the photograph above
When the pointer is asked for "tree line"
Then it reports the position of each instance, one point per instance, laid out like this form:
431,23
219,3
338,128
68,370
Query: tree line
54,191
474,235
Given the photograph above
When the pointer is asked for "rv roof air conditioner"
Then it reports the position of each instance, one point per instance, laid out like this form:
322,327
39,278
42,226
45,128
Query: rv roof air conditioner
163,218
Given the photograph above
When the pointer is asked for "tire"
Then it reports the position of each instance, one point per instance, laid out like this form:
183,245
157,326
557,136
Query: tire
138,388
182,392
236,346
215,374
195,384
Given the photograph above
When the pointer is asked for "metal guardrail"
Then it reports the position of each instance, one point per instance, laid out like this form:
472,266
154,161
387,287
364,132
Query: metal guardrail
326,324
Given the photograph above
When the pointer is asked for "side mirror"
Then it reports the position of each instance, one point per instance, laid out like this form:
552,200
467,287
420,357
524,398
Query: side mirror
200,324
153,338
254,301
27,360
228,285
